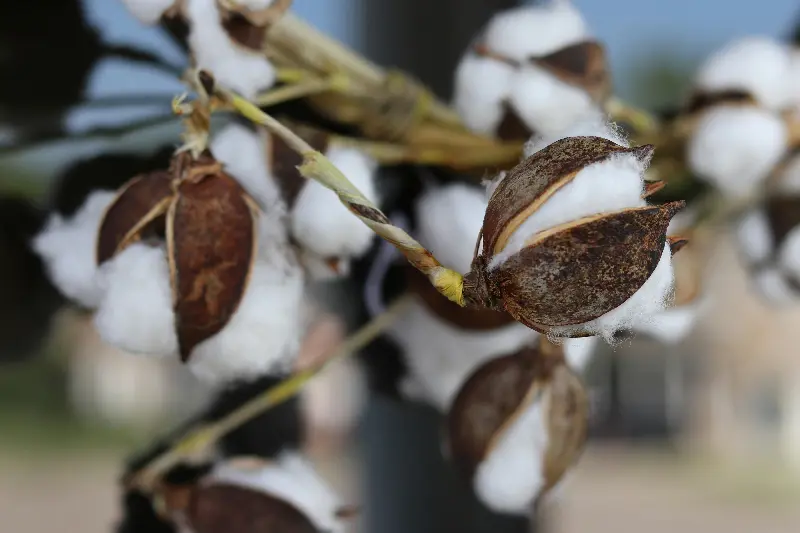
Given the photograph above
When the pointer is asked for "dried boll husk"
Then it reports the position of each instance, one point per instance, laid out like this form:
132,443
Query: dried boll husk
209,224
569,274
517,425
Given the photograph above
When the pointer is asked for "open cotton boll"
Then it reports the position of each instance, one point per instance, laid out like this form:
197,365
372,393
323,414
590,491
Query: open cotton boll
242,152
772,284
578,352
510,478
440,357
527,31
68,248
735,148
546,104
759,65
482,85
607,186
651,299
449,219
591,125
322,223
233,66
135,313
754,237
148,11
290,478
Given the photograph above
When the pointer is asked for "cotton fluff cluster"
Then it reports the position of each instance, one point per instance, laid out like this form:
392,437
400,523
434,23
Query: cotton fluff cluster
487,86
774,258
292,479
235,66
736,145
323,227
614,184
440,355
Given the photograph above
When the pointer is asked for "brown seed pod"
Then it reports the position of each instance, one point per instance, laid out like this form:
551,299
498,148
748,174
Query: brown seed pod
211,245
583,65
139,206
574,272
497,394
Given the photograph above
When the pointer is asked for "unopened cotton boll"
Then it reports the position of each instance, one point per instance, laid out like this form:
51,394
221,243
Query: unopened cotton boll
245,71
135,313
241,150
760,66
68,247
735,148
292,479
321,222
148,11
482,85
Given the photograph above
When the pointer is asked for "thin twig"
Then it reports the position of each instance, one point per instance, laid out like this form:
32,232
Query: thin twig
202,438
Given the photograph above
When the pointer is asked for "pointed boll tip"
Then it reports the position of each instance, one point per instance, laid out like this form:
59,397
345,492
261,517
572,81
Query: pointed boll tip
643,153
652,187
677,243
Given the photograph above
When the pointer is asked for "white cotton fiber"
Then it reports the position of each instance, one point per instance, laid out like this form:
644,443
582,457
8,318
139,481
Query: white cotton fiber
449,219
671,325
481,86
537,30
735,147
135,313
771,284
322,223
440,357
546,104
596,125
510,478
263,335
611,185
651,299
242,151
148,11
758,65
754,237
233,66
252,4
68,248
578,352
291,478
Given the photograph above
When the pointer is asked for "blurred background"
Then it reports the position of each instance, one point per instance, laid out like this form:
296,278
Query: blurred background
704,436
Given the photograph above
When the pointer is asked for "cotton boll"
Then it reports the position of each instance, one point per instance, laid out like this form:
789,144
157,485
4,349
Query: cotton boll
754,236
578,352
610,185
759,65
68,247
535,30
237,68
292,479
511,476
242,151
546,104
482,85
440,357
322,223
449,221
135,313
148,11
772,284
735,148
648,301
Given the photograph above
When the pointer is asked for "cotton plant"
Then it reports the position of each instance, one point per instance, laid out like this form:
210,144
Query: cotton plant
743,106
534,69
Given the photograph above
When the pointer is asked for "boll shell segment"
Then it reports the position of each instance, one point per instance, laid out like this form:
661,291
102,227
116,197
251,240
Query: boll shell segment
517,425
569,246
244,495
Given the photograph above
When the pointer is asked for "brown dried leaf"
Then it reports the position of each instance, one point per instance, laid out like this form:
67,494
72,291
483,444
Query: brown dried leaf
283,161
529,184
490,400
211,239
225,508
583,65
567,424
578,271
139,207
